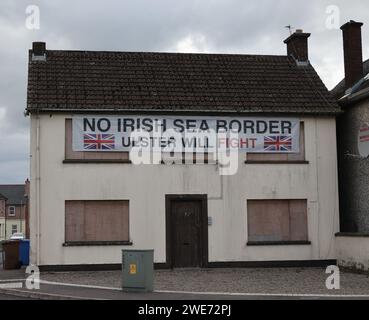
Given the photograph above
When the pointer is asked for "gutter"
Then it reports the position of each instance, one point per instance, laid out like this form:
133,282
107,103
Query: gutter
354,97
182,111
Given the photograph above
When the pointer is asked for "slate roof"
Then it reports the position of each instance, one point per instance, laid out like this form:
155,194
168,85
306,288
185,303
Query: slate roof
91,81
339,90
14,193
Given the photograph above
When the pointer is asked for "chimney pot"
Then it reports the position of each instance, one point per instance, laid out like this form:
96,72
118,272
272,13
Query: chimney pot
353,52
39,48
297,45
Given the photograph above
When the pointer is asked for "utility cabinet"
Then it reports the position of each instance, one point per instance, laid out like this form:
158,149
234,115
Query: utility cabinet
138,270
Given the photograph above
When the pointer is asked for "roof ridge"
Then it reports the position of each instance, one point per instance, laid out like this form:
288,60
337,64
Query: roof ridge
166,53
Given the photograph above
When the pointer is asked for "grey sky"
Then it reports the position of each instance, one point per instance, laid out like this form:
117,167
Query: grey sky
221,26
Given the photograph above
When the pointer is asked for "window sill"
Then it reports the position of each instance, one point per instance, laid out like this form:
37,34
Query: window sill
96,161
276,162
278,243
96,243
352,234
181,162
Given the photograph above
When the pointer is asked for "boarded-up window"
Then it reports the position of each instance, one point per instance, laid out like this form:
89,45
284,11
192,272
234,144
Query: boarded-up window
277,220
96,221
281,157
88,155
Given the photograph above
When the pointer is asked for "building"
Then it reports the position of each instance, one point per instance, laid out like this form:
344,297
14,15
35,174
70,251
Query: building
89,198
352,93
13,209
2,216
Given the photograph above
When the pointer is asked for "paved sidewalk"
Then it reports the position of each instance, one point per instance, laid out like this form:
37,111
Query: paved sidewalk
242,280
223,284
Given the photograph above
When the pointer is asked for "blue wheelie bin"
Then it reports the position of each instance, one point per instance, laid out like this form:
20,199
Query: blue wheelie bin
24,252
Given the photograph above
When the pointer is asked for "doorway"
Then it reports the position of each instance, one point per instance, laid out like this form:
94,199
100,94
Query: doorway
187,231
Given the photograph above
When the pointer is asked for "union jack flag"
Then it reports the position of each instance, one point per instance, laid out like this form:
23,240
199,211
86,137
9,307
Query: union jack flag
277,143
98,141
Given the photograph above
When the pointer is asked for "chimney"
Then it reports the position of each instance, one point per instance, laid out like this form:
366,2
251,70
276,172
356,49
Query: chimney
353,52
297,46
38,51
26,188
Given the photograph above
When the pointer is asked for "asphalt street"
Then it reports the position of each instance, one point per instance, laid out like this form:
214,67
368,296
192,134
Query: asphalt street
11,297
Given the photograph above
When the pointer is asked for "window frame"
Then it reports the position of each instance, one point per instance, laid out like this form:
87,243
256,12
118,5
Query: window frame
78,243
282,158
9,211
278,242
71,156
16,228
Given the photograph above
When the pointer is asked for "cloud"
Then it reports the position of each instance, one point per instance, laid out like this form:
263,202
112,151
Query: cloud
219,26
2,117
195,43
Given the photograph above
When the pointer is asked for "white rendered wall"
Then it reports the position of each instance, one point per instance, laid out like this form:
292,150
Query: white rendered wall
145,187
353,252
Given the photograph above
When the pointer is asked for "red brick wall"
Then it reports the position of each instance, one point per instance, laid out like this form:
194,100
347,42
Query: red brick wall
19,212
2,208
352,48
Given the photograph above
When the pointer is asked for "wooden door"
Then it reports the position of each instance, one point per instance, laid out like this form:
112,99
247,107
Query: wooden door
186,222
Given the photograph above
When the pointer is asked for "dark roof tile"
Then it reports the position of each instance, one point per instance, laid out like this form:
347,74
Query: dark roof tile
339,90
136,81
15,193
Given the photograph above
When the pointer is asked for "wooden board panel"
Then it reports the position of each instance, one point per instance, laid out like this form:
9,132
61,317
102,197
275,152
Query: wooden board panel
97,220
80,155
282,156
106,221
277,220
298,220
268,220
74,221
301,155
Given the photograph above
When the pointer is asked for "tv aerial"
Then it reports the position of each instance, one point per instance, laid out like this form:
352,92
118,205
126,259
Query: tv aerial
289,27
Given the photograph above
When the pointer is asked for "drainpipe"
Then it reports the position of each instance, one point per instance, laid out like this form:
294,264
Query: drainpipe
5,238
38,197
20,224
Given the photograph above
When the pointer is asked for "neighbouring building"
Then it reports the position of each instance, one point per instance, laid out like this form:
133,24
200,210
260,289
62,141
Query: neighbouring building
2,216
13,209
352,93
90,199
